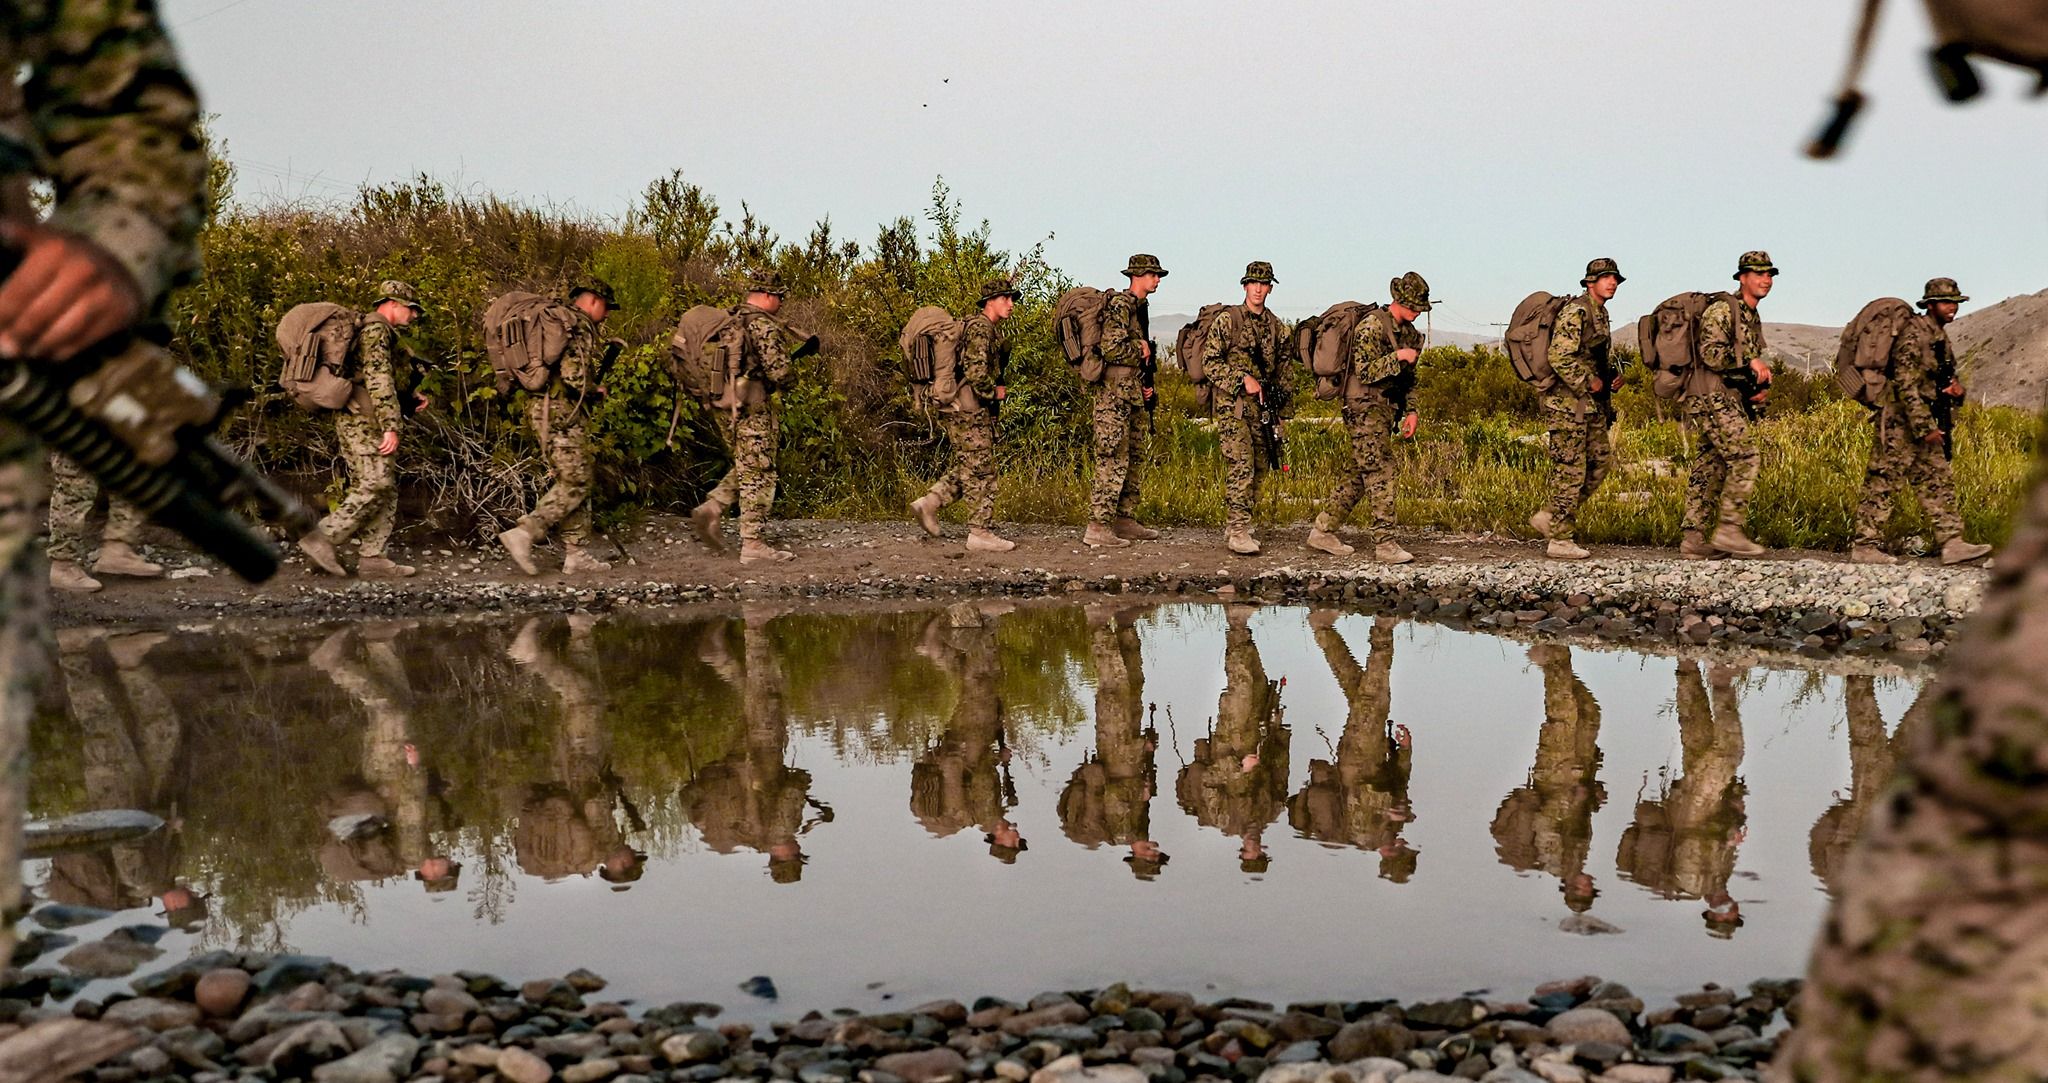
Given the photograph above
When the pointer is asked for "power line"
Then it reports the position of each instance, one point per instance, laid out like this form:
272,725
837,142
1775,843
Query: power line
209,15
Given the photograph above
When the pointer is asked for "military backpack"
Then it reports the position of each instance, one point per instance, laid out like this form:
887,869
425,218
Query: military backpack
1528,338
316,338
1189,347
931,353
704,355
525,336
1325,342
1863,360
1669,340
1077,318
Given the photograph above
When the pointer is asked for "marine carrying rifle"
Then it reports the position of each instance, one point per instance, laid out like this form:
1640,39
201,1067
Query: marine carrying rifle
1148,374
1269,429
1944,404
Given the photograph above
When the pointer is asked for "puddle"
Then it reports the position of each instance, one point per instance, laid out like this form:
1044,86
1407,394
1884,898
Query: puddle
876,809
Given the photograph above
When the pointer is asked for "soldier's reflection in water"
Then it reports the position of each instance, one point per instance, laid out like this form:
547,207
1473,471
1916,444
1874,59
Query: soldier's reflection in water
1237,782
1546,824
1108,800
131,738
1361,799
569,824
1683,844
1871,757
963,781
753,799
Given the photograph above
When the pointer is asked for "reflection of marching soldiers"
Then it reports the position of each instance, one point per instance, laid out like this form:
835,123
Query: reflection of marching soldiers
753,799
568,826
1682,845
1546,824
963,781
1871,757
1109,798
1238,780
1361,799
131,738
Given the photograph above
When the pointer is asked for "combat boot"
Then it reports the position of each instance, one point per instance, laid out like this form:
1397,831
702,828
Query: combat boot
1242,543
1540,523
1391,553
1098,536
576,560
67,575
1565,549
927,509
519,546
704,520
1730,539
1130,529
1870,554
120,558
753,550
1957,551
987,541
321,552
383,567
1693,546
1328,542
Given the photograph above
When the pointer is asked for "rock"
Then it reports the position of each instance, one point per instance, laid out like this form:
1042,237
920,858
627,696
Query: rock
760,985
61,916
386,1060
290,972
221,991
520,1066
1052,1015
149,1061
1557,1071
950,1012
1069,1069
1679,1038
1588,1025
455,1002
152,1013
287,1051
826,1071
88,830
1587,925
693,1046
112,957
590,1071
551,993
583,981
1447,1014
1639,1073
1376,1035
927,1066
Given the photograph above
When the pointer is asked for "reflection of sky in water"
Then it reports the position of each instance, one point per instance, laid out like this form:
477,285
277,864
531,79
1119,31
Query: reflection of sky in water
882,901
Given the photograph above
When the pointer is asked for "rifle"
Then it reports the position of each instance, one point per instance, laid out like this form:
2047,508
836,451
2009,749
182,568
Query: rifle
1944,404
1609,370
1147,374
1746,386
1269,429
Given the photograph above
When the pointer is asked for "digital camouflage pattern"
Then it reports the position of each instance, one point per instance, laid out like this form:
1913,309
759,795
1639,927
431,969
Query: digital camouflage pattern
1683,841
1900,454
1244,344
1580,449
1724,471
1412,290
369,507
1380,385
958,782
1108,799
72,495
392,289
752,431
1361,797
1236,781
1716,334
1942,289
1546,824
1755,260
753,799
971,469
1122,427
558,418
96,96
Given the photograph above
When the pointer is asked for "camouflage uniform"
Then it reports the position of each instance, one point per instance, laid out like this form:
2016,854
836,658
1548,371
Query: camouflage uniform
972,433
1123,427
1900,454
96,104
1216,788
558,419
1376,398
1724,472
753,799
1546,824
1108,799
72,493
1682,844
369,509
1580,451
1243,343
751,431
1362,798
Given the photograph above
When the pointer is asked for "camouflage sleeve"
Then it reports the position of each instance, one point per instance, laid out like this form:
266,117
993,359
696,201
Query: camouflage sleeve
118,124
374,372
1567,350
1220,362
771,359
1371,357
1717,337
574,368
1122,340
1912,380
977,350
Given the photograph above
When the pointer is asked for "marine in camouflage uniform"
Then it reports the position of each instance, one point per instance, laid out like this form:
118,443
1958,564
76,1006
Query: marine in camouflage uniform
1873,755
964,780
1731,341
1123,425
1580,449
72,495
559,419
1237,780
1361,799
753,799
1108,799
97,105
369,508
1376,395
752,430
970,422
1546,824
1906,447
1247,344
1682,844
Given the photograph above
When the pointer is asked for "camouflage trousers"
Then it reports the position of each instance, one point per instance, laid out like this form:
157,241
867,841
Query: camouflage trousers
1123,430
1724,472
1244,459
1580,456
1896,461
566,505
72,493
1371,425
369,508
971,473
24,645
750,438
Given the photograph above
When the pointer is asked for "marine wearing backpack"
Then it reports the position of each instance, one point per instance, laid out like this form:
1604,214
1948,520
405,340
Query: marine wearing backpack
931,355
1561,346
1380,348
1115,353
550,349
1077,318
965,361
1325,343
316,338
525,335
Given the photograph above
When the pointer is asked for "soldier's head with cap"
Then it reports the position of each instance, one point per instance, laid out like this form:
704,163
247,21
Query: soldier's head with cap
1756,273
1146,859
998,298
765,289
1258,283
594,297
1409,295
786,862
1144,272
1941,298
397,302
1602,278
1005,842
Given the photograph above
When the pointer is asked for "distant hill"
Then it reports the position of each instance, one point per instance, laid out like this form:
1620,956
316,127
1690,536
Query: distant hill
2005,351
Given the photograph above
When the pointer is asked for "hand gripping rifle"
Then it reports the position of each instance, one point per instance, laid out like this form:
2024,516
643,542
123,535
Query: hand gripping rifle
143,425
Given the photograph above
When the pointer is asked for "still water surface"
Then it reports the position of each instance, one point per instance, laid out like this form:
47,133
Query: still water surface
882,808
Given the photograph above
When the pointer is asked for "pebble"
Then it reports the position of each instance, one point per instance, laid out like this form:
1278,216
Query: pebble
220,991
520,1066
1588,1025
152,1013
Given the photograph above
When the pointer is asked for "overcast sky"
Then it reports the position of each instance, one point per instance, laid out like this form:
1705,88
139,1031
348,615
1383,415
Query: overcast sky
1495,146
